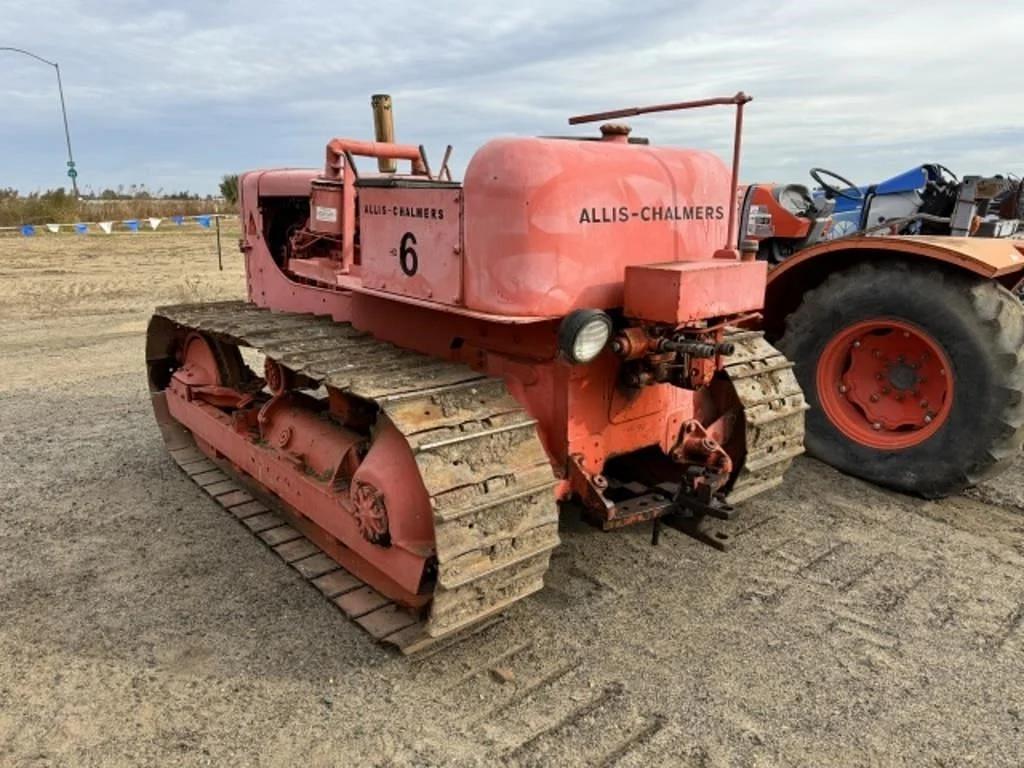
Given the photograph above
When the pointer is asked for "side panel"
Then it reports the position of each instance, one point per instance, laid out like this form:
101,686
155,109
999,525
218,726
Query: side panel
411,242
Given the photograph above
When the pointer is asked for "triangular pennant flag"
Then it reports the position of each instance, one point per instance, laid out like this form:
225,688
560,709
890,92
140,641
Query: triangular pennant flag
204,221
81,229
179,220
55,228
154,222
28,230
107,226
132,224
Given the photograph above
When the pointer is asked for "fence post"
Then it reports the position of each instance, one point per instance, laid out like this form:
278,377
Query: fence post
220,261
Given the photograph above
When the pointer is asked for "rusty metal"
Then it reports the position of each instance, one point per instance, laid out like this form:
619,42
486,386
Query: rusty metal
444,172
739,98
632,343
698,450
383,128
616,133
370,512
426,163
737,141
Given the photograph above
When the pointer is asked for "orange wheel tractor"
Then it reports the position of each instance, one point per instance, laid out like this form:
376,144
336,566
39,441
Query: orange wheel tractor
907,347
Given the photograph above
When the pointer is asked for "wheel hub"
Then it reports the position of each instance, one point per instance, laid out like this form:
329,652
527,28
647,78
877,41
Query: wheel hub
370,512
902,377
885,383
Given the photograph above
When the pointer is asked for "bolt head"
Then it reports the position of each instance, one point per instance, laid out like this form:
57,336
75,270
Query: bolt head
856,344
874,398
927,418
843,388
876,426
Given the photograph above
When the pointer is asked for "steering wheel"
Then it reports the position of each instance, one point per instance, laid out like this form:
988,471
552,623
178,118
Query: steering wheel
945,170
852,192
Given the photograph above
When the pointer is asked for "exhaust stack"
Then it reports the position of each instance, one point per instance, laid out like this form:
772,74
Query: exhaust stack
383,129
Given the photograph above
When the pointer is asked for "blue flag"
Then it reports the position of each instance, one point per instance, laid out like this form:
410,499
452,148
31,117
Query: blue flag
81,229
28,230
204,221
179,220
132,224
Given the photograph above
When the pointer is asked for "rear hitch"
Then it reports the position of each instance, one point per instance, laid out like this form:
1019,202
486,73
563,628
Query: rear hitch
691,507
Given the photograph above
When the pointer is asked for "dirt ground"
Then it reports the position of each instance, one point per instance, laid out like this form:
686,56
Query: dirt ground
142,625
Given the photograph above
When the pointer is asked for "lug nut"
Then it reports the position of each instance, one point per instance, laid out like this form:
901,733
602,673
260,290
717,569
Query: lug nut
876,426
856,344
843,388
927,418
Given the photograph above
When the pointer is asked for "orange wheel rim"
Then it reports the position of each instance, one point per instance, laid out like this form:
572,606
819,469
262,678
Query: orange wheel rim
885,383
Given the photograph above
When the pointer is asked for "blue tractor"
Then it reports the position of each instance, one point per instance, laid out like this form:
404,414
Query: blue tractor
926,200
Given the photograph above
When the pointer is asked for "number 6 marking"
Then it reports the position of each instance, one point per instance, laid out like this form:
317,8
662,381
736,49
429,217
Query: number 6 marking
407,254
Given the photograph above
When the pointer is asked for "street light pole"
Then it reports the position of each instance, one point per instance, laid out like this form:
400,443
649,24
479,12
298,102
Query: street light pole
72,171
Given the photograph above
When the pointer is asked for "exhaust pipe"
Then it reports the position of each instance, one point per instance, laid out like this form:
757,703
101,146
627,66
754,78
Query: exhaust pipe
383,129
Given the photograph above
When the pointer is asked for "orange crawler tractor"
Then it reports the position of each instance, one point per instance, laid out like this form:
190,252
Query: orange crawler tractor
437,364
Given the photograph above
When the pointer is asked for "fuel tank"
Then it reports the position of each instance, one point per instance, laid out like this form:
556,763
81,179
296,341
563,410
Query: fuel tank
552,224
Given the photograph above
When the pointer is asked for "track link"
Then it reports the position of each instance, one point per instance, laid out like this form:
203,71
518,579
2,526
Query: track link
488,476
773,407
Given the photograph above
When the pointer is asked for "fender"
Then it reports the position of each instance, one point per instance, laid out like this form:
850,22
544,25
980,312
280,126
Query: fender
999,259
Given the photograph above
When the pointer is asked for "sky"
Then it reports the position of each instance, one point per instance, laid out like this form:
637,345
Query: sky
174,95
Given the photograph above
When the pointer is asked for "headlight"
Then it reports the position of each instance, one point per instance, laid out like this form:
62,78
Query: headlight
583,334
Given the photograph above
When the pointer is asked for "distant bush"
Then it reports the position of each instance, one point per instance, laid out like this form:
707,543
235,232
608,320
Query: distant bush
58,206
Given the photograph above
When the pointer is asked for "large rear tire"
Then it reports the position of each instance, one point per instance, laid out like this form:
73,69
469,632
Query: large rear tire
914,374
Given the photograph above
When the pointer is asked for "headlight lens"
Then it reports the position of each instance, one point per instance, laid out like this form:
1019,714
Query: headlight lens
583,334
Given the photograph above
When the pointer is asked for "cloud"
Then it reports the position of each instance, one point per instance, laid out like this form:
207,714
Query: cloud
176,97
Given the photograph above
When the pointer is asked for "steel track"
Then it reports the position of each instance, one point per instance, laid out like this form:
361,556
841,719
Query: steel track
489,479
773,409
488,476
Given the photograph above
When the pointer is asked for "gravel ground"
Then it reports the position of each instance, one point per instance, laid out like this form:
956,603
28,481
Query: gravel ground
142,625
